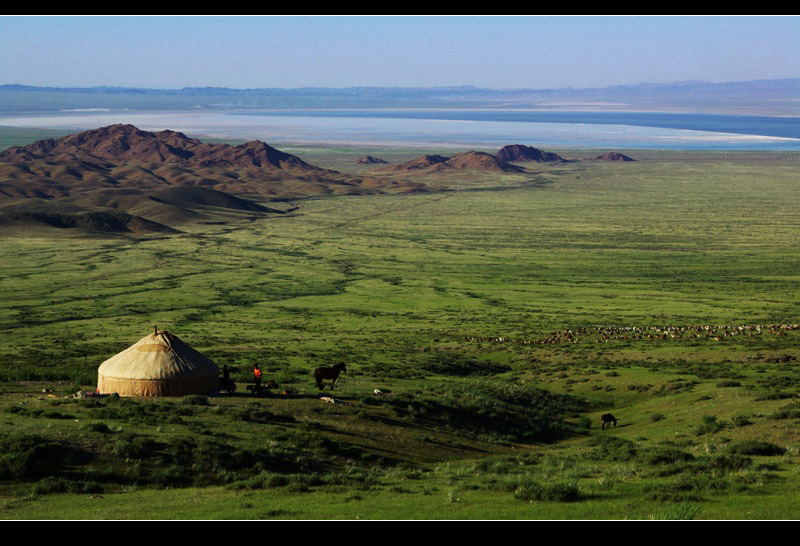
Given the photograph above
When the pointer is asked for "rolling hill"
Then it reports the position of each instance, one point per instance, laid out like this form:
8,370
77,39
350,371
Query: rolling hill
165,176
471,160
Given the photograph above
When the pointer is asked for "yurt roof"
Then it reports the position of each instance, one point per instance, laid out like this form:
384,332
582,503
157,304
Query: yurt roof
161,356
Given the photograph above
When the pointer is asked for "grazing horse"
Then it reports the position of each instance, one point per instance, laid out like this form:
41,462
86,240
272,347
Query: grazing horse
331,373
607,418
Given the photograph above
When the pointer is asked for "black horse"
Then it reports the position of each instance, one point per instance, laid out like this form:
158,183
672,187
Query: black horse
328,372
607,418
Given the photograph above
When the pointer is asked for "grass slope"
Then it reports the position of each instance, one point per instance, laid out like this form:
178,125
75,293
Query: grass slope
443,302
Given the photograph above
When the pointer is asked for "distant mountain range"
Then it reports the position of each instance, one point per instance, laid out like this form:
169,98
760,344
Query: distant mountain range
120,179
757,97
120,158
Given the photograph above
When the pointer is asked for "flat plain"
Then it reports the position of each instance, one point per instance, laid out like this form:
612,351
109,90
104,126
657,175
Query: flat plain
486,325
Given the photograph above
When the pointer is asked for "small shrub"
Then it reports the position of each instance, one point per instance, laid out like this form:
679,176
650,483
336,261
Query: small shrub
710,425
726,462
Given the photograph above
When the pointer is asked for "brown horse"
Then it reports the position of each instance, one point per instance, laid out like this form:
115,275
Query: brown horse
607,418
331,373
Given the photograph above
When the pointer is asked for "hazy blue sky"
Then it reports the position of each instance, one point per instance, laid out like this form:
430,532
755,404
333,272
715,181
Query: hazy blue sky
485,51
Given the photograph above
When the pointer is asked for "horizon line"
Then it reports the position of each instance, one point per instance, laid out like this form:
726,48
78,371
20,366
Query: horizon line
474,87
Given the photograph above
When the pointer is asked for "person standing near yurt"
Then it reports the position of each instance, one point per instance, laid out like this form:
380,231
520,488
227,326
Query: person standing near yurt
257,377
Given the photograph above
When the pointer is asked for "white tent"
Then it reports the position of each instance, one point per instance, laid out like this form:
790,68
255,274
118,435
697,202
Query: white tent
159,364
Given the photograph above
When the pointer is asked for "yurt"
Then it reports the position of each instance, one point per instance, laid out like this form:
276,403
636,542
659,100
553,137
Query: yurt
159,364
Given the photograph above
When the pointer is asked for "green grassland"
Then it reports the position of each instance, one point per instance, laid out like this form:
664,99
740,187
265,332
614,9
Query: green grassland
453,304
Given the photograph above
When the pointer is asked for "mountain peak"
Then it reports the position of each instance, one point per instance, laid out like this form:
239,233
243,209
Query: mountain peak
128,142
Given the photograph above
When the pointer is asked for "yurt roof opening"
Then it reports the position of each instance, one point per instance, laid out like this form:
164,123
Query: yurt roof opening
159,364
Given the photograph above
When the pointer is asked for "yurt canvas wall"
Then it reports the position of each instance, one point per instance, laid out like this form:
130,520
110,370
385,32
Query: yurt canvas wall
159,364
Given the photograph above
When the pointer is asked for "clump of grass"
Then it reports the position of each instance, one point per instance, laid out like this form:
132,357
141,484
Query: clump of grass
38,412
143,412
131,447
710,425
262,480
58,484
612,448
790,411
99,427
675,491
741,421
664,456
779,395
681,511
725,463
195,400
756,447
565,491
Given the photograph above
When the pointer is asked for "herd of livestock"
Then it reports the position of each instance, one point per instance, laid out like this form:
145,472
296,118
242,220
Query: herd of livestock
603,334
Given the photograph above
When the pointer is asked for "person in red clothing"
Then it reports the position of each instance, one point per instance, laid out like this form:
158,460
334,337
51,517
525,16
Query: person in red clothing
257,376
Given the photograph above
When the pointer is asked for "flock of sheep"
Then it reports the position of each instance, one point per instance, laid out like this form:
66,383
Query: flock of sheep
630,333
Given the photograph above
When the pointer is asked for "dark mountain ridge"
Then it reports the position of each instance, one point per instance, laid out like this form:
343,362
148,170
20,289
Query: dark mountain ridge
163,177
126,142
